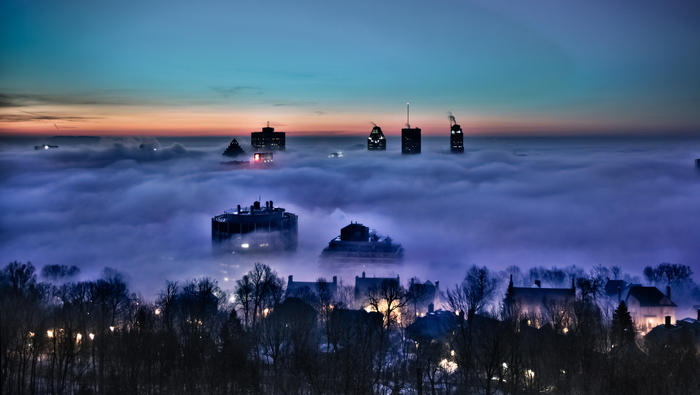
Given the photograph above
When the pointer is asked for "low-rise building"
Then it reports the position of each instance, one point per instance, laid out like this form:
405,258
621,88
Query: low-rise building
422,297
542,305
315,289
366,286
649,307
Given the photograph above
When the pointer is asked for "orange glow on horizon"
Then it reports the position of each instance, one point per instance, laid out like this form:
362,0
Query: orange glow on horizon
159,121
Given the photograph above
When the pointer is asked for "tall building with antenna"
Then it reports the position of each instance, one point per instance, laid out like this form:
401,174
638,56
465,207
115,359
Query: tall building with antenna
410,137
376,140
456,136
268,139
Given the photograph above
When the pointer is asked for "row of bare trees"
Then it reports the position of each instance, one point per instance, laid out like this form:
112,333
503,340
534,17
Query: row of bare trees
84,337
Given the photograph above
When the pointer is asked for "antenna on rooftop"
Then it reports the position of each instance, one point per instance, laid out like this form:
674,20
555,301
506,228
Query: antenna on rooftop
408,115
268,124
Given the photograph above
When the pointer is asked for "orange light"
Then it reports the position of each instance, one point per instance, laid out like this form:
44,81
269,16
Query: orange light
256,157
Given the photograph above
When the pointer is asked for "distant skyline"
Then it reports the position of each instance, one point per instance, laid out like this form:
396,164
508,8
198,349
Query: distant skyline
226,68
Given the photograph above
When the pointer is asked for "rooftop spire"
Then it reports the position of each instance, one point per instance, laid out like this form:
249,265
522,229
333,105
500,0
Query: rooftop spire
408,115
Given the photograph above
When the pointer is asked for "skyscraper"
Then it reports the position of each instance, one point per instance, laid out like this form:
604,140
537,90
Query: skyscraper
376,140
268,139
456,136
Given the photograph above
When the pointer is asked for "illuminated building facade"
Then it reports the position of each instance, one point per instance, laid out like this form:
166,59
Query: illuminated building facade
255,229
456,136
262,159
366,286
268,139
649,307
410,140
422,297
376,140
542,305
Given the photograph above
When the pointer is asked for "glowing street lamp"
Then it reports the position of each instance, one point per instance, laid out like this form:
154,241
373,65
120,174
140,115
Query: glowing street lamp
49,333
91,336
78,338
529,374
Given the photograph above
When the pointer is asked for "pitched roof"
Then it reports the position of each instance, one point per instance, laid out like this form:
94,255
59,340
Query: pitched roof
363,285
434,325
685,331
313,286
295,287
649,296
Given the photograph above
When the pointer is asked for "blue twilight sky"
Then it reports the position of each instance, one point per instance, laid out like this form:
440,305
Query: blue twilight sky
309,66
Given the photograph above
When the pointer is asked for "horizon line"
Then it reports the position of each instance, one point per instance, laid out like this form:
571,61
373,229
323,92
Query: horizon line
502,133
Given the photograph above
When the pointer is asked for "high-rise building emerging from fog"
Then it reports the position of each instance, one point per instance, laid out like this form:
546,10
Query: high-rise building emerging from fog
357,244
255,229
456,136
268,139
410,137
233,149
376,140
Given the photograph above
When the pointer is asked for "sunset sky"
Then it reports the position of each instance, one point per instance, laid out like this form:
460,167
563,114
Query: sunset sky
502,67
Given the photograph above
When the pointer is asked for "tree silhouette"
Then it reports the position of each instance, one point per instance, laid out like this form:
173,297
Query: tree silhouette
622,331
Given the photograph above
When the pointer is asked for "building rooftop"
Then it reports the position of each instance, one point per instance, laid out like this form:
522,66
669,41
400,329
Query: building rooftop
435,325
255,210
537,295
233,149
357,243
256,228
363,285
422,294
294,288
649,296
354,232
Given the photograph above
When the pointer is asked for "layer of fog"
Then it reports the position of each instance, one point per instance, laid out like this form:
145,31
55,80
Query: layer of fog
119,203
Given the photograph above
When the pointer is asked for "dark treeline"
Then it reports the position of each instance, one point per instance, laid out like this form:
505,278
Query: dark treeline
85,337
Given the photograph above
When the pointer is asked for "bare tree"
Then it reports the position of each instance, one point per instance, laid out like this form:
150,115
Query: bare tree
389,298
243,297
475,292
